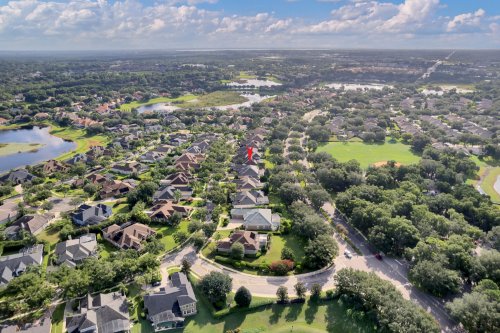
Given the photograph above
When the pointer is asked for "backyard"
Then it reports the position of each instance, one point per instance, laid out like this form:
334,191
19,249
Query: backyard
368,154
166,233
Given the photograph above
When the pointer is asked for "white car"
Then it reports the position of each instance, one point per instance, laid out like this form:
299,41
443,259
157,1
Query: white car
348,254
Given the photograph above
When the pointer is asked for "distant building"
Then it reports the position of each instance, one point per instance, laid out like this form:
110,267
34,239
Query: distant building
256,219
167,308
55,166
17,177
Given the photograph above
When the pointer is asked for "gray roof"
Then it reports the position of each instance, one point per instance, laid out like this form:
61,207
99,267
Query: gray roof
165,304
107,312
74,251
15,264
91,214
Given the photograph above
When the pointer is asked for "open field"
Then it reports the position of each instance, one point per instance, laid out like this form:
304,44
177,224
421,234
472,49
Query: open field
367,154
216,98
82,140
14,148
136,104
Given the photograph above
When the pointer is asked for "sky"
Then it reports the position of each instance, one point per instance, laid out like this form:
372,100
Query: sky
248,24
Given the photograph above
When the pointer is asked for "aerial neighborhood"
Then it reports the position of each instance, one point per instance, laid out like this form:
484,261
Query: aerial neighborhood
250,191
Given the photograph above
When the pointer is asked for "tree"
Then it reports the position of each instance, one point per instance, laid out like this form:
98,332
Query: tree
318,197
185,266
282,294
281,267
311,226
316,290
177,195
300,290
198,239
243,297
287,253
419,142
175,219
435,278
216,286
289,193
194,226
321,252
180,236
237,251
154,246
476,310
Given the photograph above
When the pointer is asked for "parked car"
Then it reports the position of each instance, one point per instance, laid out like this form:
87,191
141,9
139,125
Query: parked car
348,254
156,283
378,256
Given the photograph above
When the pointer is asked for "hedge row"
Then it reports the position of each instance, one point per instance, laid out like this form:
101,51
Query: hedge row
238,264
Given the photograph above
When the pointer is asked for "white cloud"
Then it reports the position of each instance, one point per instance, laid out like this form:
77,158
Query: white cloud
84,24
466,21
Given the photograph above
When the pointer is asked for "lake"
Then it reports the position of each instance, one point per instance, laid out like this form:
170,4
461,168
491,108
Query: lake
52,147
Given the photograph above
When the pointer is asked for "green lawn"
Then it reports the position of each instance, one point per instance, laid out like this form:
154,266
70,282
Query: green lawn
330,316
136,104
105,247
166,233
216,98
278,242
51,236
491,169
14,148
57,319
79,136
368,154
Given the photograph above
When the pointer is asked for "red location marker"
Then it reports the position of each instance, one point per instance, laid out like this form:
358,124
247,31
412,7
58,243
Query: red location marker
249,152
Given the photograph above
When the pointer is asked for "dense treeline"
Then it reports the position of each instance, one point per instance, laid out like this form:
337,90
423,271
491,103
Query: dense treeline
381,301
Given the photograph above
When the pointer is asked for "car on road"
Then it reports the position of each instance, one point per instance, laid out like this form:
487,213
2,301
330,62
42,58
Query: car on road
156,283
378,256
348,254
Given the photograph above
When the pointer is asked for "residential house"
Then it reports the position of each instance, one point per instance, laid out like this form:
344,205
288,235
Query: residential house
97,179
152,157
180,179
252,242
79,158
128,236
14,265
256,218
103,313
248,183
55,166
115,189
89,215
17,177
128,168
164,210
189,161
249,199
72,252
248,171
32,223
167,308
167,192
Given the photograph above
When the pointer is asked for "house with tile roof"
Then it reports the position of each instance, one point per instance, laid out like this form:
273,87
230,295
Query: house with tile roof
128,236
252,242
32,223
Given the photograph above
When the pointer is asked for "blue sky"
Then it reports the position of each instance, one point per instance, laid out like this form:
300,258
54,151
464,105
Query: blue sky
181,24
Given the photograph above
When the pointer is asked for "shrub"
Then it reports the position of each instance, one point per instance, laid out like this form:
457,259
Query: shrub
243,297
237,251
281,267
287,253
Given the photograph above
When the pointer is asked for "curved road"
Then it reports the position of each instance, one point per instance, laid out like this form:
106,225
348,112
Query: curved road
266,286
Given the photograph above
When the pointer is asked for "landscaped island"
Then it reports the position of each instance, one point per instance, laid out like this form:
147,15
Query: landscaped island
15,148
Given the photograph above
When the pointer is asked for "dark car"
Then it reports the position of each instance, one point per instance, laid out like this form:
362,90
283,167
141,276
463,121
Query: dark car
156,283
378,256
